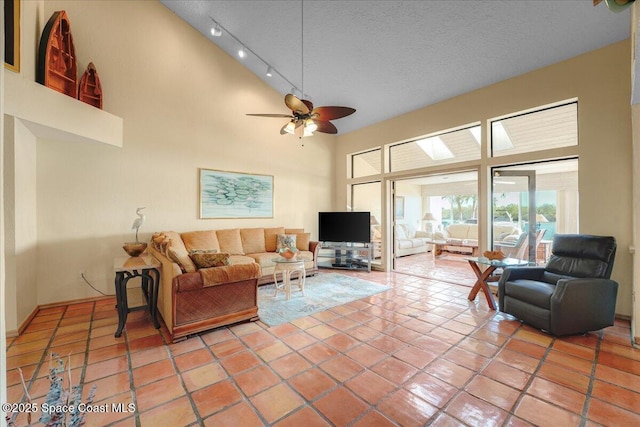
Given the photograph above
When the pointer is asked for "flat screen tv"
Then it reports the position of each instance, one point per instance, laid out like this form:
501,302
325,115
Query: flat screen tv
344,227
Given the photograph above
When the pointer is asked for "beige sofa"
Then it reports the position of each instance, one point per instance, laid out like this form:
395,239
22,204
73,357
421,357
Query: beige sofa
409,241
463,238
247,247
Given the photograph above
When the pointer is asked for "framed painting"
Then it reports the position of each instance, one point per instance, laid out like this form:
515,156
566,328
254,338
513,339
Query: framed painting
235,195
399,207
12,35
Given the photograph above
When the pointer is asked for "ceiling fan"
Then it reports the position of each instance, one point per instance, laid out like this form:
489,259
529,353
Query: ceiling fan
311,119
615,5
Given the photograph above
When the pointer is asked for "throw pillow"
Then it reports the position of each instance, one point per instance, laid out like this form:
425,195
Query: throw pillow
302,241
207,259
286,241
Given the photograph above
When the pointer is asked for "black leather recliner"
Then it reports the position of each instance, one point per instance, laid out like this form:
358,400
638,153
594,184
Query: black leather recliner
572,294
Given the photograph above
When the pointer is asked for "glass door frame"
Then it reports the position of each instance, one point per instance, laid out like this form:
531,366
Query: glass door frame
530,175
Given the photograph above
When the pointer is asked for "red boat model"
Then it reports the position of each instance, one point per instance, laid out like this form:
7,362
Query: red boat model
57,65
90,90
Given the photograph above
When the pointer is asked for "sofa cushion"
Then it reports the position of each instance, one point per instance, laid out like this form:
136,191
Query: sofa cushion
230,241
286,241
293,230
177,252
270,238
530,291
400,232
201,240
241,259
302,241
252,240
210,258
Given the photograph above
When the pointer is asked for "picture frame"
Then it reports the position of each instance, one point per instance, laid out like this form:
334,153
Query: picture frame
399,207
12,35
224,194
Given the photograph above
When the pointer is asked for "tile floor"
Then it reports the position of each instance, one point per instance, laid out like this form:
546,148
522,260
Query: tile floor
418,354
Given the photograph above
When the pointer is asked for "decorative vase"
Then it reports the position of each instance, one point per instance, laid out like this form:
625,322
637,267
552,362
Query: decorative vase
287,253
134,248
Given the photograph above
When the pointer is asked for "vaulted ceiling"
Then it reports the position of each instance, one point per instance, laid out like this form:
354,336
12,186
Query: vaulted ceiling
386,58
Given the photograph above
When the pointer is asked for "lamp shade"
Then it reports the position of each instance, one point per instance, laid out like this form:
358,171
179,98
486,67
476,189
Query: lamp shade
374,220
428,217
541,218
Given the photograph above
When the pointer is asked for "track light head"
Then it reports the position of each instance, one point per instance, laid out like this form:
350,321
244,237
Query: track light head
269,72
216,31
241,52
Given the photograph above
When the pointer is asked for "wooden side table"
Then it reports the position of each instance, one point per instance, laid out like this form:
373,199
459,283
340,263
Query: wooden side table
487,275
127,268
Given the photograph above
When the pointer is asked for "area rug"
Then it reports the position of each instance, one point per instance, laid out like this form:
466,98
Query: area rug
322,291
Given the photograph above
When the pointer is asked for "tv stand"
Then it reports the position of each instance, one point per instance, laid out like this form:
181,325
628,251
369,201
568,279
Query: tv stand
345,255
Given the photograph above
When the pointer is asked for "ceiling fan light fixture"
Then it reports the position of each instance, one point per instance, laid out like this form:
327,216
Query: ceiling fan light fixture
290,127
310,126
307,132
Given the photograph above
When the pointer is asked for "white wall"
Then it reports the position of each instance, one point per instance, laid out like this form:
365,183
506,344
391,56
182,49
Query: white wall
183,102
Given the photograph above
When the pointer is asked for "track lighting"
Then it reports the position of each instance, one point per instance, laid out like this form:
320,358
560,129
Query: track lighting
269,71
216,31
241,52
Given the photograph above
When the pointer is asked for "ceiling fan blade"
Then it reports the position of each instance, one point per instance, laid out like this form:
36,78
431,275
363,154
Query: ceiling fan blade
308,103
325,127
332,113
295,104
288,116
596,2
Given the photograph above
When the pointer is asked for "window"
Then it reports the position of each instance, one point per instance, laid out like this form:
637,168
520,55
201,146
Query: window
444,148
366,164
552,127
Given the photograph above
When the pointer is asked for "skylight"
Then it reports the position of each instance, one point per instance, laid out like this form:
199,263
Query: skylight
435,148
475,132
501,140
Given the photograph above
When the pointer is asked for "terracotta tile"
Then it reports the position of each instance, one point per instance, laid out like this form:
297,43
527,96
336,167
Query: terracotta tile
341,342
193,359
105,368
203,376
71,337
124,411
312,383
465,358
25,359
604,413
176,412
459,327
322,331
572,362
108,352
387,344
533,336
70,348
363,333
340,406
542,413
406,409
256,380
276,402
621,350
148,356
318,352
145,343
480,347
342,323
257,338
105,387
240,329
341,368
238,415
272,351
527,348
217,336
370,387
28,347
366,355
306,322
557,395
299,340
305,416
326,316
564,376
517,360
618,396
415,356
290,365
620,378
506,374
227,348
493,392
186,346
475,412
215,397
153,372
449,372
575,350
431,389
445,420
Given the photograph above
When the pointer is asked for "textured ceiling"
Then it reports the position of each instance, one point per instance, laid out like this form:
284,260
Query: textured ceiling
385,58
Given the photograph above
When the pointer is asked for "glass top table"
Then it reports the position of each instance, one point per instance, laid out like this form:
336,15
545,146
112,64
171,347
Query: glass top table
483,277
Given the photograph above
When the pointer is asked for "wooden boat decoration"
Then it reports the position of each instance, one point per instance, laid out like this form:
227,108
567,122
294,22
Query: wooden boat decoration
90,90
57,64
